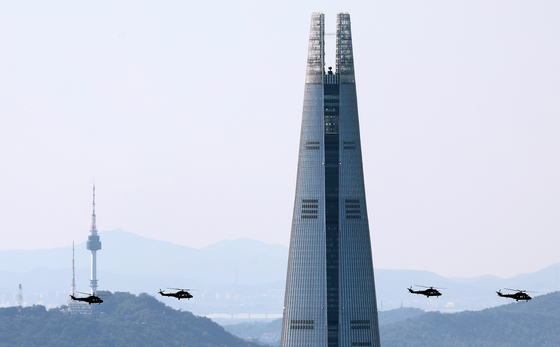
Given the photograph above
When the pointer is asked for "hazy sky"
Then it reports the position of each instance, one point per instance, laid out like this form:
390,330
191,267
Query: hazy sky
188,114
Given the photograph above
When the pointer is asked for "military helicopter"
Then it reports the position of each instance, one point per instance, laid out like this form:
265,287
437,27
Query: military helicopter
181,294
431,291
91,299
520,295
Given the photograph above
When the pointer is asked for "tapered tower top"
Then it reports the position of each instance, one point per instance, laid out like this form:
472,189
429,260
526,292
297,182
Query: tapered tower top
316,50
93,243
344,53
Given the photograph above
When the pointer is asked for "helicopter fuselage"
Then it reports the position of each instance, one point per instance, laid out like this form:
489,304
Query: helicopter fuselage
179,295
517,296
428,292
92,299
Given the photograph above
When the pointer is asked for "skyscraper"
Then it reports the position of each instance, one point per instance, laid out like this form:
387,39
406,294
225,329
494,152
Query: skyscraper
93,244
330,289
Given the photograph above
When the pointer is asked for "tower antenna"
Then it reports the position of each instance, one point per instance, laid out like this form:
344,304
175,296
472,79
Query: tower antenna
20,299
73,285
93,244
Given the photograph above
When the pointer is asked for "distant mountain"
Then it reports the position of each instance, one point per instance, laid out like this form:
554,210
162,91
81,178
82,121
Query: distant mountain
545,280
242,261
460,293
518,324
232,277
122,320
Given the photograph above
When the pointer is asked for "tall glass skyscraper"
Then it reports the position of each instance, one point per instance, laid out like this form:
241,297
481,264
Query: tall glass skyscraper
330,289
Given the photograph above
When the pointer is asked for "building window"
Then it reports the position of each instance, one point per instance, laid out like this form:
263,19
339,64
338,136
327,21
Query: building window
352,208
312,145
349,145
305,324
309,208
359,324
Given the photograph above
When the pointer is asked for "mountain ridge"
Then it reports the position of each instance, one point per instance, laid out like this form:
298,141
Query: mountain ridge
232,269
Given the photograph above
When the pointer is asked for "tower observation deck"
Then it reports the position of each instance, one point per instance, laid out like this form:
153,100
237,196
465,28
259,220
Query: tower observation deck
93,244
330,298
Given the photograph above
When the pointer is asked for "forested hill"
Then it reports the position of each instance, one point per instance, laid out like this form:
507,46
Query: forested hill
519,324
122,320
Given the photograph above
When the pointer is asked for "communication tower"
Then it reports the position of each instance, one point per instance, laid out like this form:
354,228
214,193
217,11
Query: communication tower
94,245
76,307
73,285
20,298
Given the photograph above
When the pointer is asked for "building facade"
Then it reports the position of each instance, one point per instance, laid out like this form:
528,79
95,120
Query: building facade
330,289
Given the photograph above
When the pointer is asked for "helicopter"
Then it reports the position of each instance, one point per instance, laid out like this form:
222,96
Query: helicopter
431,291
520,295
181,294
91,299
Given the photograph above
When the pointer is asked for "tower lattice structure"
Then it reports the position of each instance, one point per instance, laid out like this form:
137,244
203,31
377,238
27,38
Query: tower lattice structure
73,284
330,295
76,307
20,298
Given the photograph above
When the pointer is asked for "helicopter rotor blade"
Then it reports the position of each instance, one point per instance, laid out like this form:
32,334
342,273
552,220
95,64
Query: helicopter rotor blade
515,290
429,287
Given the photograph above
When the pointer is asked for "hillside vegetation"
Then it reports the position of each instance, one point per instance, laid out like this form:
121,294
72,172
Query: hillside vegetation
518,324
122,320
128,320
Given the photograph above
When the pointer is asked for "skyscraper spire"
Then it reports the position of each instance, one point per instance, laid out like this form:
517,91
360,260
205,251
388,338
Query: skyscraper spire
94,245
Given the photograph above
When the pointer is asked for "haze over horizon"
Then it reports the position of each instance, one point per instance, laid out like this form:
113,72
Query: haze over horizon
187,115
82,252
